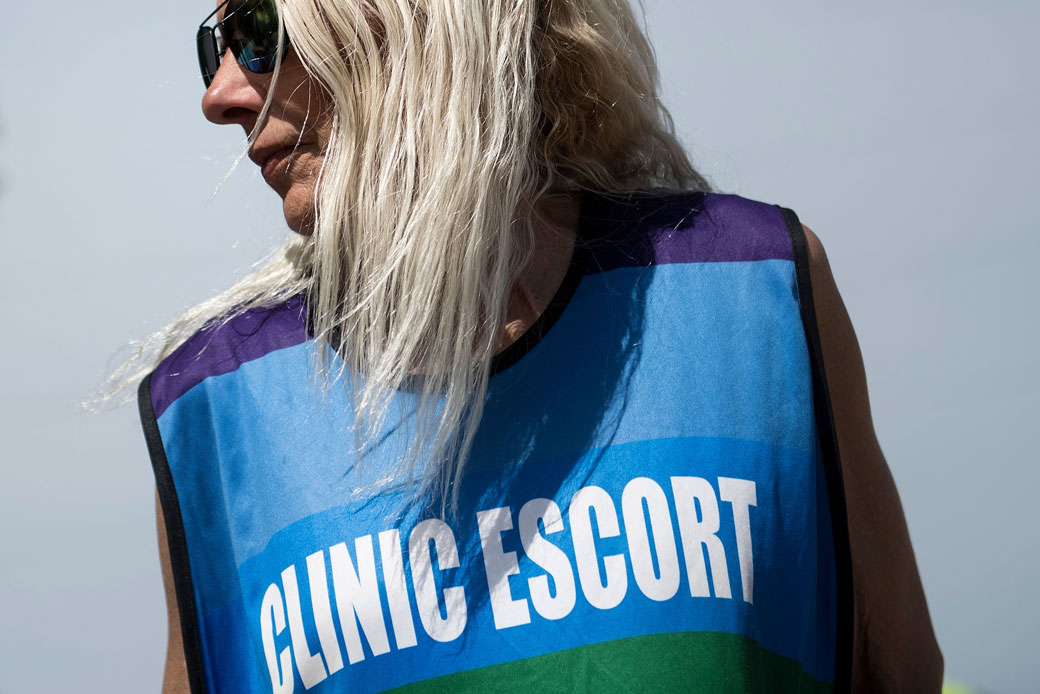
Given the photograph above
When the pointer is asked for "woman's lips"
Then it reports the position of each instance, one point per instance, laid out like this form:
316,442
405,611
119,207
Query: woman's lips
276,161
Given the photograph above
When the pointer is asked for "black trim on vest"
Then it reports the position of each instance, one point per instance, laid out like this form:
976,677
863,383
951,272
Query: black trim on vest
175,537
831,459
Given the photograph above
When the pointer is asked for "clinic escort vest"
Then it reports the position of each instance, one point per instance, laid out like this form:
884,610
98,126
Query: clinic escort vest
653,501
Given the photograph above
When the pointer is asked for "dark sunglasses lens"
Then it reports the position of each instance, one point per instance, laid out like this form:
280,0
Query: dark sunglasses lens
250,28
209,57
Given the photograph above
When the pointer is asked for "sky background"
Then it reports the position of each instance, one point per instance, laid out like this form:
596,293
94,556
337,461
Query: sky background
906,134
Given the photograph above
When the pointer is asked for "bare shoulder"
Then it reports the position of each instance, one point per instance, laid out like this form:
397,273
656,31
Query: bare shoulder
894,645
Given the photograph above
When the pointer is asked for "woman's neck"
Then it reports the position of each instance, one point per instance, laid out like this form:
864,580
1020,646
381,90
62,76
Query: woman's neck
555,230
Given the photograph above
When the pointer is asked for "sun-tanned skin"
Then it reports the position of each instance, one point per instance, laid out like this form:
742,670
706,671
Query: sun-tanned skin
894,645
290,147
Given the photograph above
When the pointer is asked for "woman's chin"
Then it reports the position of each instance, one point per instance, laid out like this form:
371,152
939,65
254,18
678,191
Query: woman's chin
298,208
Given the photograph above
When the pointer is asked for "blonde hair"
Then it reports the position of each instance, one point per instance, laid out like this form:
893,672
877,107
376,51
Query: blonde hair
451,120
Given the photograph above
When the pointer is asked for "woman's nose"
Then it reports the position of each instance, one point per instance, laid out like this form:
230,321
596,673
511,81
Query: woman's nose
232,97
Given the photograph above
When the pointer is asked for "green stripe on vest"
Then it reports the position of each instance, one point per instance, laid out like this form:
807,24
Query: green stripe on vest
686,662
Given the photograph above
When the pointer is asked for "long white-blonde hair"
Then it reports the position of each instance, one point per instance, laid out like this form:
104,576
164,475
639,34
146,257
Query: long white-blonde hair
450,122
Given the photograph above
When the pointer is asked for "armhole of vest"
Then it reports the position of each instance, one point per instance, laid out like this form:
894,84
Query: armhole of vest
176,539
831,459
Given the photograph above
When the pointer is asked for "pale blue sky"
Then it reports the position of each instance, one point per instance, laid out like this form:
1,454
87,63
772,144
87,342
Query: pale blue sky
905,133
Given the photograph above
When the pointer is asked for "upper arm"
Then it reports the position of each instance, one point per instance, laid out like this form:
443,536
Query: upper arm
894,646
175,676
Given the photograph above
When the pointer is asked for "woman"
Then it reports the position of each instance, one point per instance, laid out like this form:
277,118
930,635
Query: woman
523,403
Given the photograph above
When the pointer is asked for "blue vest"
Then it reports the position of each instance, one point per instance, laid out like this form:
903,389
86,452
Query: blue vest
653,501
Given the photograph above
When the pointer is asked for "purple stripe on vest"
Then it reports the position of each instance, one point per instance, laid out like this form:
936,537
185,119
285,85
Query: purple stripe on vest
687,228
222,349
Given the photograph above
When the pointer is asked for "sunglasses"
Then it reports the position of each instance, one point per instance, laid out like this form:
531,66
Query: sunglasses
249,28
